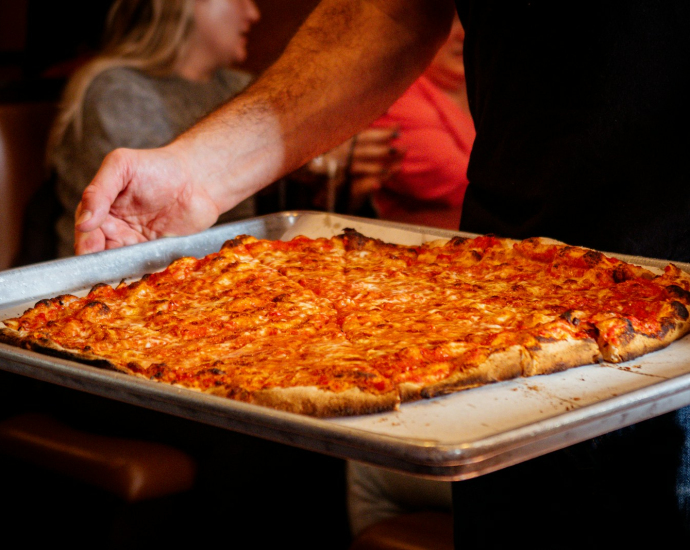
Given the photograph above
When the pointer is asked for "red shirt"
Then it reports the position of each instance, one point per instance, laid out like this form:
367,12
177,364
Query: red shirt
437,136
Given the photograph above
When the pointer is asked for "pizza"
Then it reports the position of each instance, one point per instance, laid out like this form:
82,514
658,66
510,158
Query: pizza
354,325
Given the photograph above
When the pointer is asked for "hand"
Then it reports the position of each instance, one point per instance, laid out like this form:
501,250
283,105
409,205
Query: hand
138,196
375,159
367,161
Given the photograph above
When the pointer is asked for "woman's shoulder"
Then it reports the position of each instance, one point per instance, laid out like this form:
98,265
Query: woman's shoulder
120,79
127,108
119,88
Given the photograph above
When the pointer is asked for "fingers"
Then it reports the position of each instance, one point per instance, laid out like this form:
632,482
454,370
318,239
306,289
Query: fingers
86,243
93,231
112,233
378,135
375,168
98,197
375,153
120,233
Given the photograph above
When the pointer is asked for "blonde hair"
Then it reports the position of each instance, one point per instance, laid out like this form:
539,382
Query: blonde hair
149,35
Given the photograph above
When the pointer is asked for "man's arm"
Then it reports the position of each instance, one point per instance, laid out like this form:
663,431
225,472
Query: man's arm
348,62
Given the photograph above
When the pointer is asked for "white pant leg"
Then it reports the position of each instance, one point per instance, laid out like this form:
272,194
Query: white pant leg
374,494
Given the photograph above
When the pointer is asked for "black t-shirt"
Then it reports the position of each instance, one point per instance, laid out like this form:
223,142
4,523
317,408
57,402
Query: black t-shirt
582,111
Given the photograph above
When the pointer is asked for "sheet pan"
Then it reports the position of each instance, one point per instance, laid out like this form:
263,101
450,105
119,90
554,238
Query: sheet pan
452,437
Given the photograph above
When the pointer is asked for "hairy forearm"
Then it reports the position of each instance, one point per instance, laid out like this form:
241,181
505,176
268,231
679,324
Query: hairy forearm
348,62
353,59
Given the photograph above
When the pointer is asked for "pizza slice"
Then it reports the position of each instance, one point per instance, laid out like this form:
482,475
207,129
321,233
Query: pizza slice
628,309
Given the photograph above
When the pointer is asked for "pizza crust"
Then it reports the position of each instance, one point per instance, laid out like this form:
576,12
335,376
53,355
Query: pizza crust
22,340
498,366
629,344
561,355
315,401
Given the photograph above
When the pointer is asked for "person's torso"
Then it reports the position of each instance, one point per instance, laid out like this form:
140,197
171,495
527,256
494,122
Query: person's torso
581,114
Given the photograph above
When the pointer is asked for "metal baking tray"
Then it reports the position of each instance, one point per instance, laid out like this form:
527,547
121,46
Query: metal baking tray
454,437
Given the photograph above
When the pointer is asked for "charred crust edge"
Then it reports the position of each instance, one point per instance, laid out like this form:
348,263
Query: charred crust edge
678,292
12,337
237,241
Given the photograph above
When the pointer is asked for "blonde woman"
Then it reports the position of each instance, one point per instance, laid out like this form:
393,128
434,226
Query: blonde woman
164,65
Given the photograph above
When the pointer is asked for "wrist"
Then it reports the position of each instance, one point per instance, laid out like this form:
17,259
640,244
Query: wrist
227,164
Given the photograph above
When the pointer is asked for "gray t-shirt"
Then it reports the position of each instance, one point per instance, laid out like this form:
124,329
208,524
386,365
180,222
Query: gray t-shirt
125,107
